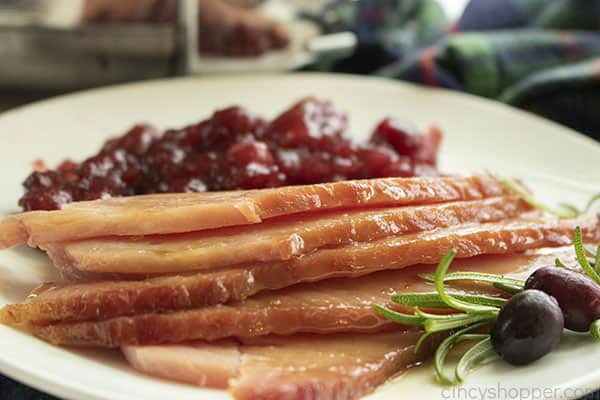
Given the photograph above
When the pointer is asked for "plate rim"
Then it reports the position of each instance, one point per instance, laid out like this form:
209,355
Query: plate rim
460,96
53,384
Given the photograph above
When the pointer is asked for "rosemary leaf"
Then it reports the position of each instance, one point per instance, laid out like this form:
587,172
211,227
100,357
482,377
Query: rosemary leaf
595,330
512,289
451,301
439,325
590,203
421,340
476,276
559,263
474,336
528,198
478,352
441,317
397,317
570,208
581,256
445,347
433,300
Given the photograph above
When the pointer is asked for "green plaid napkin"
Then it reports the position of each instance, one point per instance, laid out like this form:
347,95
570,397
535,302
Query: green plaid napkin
543,56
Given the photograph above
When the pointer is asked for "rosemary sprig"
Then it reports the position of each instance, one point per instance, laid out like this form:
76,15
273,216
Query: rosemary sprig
520,191
433,323
559,263
433,299
566,210
588,207
512,289
445,347
439,323
398,317
474,311
479,277
449,299
480,351
582,257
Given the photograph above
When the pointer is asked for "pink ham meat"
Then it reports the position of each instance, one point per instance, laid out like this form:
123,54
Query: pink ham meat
198,363
107,299
187,212
317,367
269,241
334,305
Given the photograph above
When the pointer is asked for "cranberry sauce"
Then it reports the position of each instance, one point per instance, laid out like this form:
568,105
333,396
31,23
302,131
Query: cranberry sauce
235,150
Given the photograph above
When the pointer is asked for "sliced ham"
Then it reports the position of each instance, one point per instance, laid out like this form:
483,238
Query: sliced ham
277,240
334,305
198,363
187,212
316,367
103,300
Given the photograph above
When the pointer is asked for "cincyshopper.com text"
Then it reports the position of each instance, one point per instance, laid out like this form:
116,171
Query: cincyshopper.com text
502,392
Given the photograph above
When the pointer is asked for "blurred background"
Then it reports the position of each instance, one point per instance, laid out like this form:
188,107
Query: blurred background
539,55
542,56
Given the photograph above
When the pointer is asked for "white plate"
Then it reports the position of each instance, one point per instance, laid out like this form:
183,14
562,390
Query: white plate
560,164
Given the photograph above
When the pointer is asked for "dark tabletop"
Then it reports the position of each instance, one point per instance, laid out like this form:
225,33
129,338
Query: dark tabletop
11,390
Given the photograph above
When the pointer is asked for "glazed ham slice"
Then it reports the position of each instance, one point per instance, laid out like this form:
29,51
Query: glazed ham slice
186,212
334,305
318,367
103,300
198,363
269,241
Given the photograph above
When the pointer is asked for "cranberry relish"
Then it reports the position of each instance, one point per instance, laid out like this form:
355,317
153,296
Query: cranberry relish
235,150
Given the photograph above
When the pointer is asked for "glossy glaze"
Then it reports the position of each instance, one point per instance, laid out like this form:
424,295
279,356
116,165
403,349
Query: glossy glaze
187,212
276,240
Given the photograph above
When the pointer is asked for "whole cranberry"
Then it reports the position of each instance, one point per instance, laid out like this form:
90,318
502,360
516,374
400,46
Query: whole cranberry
402,136
228,125
46,179
318,167
45,199
403,167
376,159
139,138
246,152
187,185
194,134
257,176
429,146
311,123
67,166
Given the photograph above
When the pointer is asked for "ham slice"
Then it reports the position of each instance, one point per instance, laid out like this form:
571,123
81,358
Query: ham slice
318,367
276,240
177,213
334,305
103,300
199,363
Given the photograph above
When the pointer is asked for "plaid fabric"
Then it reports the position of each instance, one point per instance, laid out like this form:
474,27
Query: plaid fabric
540,55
